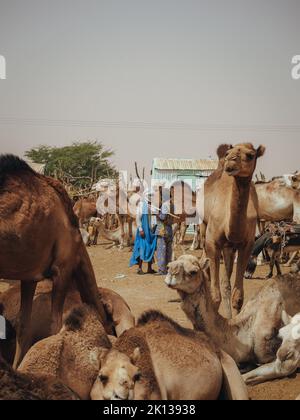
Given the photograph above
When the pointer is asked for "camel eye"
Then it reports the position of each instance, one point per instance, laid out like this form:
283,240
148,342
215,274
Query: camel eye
103,379
137,377
249,156
193,273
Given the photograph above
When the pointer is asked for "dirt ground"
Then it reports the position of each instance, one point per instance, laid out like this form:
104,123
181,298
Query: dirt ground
149,292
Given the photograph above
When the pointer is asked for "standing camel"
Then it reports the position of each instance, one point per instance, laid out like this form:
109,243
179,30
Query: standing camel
230,216
40,238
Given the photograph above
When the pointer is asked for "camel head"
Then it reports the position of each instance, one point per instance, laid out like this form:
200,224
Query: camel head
186,274
117,377
240,160
290,336
295,181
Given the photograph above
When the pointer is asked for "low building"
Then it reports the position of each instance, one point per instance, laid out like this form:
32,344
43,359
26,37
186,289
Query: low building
193,171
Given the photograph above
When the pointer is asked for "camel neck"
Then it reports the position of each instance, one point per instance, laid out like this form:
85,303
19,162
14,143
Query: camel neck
238,195
201,312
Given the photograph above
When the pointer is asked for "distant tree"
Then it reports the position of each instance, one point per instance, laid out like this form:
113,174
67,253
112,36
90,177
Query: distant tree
81,164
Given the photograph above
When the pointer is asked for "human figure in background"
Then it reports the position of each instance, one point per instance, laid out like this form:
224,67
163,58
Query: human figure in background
164,233
146,241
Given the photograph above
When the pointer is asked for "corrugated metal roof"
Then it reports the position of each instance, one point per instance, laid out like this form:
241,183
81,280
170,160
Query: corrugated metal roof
185,164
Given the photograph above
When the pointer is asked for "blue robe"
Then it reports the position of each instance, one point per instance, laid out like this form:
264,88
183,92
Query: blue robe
144,248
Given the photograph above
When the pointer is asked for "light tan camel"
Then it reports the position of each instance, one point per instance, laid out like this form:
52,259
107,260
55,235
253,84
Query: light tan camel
84,209
15,386
185,365
118,202
277,201
119,236
230,214
252,336
40,238
72,356
118,313
288,356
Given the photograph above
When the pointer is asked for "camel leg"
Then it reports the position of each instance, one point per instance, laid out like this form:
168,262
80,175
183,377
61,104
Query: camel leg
87,286
61,284
24,330
130,232
244,255
122,225
290,261
196,240
271,371
273,261
229,256
183,229
213,253
278,268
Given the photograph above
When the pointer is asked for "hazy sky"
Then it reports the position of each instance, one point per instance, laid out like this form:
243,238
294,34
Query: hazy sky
152,78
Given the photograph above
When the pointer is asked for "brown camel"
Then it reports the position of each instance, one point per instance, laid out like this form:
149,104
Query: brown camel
230,214
15,386
179,364
84,209
119,316
40,238
72,356
252,336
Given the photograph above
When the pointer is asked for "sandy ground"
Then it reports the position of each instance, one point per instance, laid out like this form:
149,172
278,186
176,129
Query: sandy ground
149,292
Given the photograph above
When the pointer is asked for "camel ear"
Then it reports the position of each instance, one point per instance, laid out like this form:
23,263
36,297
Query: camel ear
136,356
102,355
204,264
286,319
223,149
108,307
260,151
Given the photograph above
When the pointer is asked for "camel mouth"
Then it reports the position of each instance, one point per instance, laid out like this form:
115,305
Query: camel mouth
231,171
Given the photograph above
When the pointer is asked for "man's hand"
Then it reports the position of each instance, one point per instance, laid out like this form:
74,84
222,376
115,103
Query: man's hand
142,233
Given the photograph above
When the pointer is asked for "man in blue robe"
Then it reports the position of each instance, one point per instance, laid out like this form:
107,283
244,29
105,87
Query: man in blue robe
145,241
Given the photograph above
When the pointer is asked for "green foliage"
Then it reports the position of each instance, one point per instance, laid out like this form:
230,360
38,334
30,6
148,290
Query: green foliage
80,165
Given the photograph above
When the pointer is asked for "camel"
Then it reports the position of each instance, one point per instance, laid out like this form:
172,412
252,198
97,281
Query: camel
277,201
119,316
116,236
230,215
288,356
84,209
185,365
72,356
252,336
40,238
116,201
17,386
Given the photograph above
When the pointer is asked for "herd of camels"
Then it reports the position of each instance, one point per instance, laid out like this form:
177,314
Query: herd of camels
69,339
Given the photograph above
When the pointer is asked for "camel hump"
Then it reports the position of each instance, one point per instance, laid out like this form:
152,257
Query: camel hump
11,164
157,316
64,197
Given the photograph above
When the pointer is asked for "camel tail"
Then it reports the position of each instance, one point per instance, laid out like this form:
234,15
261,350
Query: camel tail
87,285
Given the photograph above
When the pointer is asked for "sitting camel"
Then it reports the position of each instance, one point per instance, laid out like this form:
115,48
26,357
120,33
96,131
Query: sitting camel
72,356
18,386
252,336
178,364
119,316
40,238
288,355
